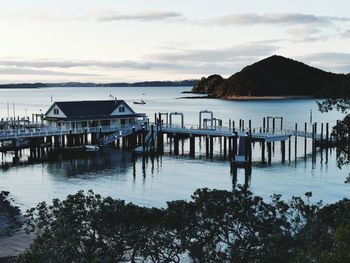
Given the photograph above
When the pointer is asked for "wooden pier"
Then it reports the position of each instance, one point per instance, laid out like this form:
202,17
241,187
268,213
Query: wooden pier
144,137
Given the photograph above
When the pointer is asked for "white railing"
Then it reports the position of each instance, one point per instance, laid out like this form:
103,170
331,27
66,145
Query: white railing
53,131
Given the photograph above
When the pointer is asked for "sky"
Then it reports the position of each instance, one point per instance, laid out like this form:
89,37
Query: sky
140,40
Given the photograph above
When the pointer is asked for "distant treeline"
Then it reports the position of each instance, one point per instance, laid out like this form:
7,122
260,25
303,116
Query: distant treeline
183,83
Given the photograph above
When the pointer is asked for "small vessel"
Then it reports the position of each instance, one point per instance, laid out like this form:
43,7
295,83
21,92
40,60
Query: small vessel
91,148
140,102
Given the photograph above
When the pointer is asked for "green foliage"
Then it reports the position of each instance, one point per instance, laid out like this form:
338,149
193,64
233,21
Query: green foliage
215,226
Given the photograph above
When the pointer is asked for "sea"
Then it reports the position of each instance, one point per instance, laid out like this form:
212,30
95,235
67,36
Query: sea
152,182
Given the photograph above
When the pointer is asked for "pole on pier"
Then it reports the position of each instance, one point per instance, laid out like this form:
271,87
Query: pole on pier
314,143
250,126
269,152
305,139
321,142
192,145
283,150
263,152
176,144
211,147
289,148
296,141
327,133
86,136
207,146
264,125
315,136
225,147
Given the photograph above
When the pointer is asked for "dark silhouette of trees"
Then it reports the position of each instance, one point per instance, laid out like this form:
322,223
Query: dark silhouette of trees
274,76
215,226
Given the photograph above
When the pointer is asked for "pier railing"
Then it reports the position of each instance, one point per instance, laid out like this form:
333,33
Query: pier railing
52,131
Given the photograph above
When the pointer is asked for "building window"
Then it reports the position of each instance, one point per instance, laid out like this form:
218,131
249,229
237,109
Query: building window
121,109
55,111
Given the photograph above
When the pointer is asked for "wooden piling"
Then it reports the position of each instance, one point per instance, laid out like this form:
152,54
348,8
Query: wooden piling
305,139
176,145
263,152
269,152
192,146
211,153
225,147
296,142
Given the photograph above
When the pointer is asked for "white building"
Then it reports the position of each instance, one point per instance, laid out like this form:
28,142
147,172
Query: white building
81,114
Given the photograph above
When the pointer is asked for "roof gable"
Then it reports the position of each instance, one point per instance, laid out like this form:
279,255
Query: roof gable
89,108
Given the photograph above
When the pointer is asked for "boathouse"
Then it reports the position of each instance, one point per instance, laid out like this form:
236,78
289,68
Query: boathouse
82,114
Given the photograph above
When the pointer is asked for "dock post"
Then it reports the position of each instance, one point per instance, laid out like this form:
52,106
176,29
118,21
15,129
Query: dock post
273,125
250,152
263,152
117,142
225,147
296,142
70,139
230,147
176,144
207,146
250,126
211,147
143,132
269,152
315,136
234,147
327,133
240,124
264,125
63,141
321,142
283,149
305,139
192,145
160,143
85,136
152,138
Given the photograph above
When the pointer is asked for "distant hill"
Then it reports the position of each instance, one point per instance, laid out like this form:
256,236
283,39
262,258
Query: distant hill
183,83
273,76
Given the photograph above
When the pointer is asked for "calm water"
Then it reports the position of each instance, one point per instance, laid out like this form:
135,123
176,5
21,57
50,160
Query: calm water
153,182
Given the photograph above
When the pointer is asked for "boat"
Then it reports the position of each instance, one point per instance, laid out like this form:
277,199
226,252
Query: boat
140,102
91,148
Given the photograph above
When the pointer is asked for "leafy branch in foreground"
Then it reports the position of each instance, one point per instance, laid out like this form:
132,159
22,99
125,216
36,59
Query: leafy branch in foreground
215,226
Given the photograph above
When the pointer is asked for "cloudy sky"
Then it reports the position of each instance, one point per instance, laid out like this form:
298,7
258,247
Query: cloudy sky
135,40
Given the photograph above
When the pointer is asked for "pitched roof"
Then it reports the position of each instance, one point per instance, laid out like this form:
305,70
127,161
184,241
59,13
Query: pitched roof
89,108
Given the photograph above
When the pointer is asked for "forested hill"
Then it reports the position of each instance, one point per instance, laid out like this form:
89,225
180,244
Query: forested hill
273,76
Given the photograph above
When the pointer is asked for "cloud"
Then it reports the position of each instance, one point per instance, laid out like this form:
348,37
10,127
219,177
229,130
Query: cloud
230,54
147,16
274,19
28,71
346,34
306,34
329,61
48,63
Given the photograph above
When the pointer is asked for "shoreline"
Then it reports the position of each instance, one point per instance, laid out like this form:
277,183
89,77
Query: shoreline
268,97
245,98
